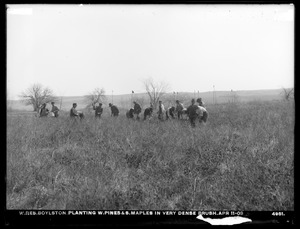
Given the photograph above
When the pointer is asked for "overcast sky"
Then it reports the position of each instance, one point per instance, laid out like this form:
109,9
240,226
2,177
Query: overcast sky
73,49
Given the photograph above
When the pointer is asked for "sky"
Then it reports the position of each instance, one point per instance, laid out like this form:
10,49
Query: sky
73,49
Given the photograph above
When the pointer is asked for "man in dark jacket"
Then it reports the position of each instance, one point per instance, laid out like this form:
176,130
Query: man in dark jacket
170,111
44,111
192,113
148,112
98,110
137,110
129,114
114,110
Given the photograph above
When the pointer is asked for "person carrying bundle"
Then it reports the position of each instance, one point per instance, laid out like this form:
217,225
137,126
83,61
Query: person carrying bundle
54,110
74,113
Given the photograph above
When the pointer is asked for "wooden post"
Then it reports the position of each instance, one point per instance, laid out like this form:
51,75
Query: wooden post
60,103
132,92
213,94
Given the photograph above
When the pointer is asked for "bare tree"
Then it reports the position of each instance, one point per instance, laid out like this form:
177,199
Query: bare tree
288,93
155,90
36,95
96,96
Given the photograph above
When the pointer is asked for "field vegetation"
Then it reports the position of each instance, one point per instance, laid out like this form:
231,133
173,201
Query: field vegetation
242,159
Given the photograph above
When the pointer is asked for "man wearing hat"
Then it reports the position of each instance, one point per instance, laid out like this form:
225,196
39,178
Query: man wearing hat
114,110
98,110
54,110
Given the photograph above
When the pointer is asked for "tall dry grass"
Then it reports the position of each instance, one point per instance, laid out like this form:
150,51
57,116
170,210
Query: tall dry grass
242,159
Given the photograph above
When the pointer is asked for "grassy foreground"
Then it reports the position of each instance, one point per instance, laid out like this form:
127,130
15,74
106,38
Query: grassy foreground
242,159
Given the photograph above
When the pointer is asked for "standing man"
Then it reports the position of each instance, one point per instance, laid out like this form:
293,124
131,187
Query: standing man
137,110
114,110
192,113
161,110
98,110
44,111
54,110
178,109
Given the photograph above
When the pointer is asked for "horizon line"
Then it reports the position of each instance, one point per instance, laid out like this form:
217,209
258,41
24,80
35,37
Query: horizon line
196,91
170,92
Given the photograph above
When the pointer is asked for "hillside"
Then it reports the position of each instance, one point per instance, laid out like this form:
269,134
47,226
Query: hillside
124,101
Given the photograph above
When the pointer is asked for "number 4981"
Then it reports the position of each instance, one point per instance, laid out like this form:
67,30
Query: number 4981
278,214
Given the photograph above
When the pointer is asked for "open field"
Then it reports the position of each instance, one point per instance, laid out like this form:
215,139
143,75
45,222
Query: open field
242,159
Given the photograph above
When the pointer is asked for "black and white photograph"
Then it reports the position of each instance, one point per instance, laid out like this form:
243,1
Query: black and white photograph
150,107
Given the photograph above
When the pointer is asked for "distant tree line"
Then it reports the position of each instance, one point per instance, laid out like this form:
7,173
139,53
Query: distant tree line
37,94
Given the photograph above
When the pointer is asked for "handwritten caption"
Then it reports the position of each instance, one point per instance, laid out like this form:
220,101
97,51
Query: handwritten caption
142,213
